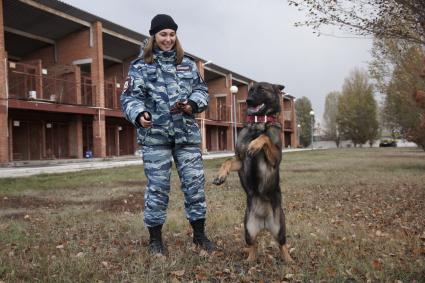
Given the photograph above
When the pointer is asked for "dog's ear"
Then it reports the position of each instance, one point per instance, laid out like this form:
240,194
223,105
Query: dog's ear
280,87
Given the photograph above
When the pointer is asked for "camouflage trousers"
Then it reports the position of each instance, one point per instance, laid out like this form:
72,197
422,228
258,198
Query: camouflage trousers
157,162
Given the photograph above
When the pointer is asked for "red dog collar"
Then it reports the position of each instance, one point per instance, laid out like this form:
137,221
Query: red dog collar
261,119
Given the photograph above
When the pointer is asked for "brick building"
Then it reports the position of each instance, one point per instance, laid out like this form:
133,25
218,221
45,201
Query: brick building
62,76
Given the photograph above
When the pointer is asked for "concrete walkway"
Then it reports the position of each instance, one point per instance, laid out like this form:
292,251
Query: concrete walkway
29,168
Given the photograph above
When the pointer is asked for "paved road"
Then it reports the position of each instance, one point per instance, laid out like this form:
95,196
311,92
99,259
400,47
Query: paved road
51,167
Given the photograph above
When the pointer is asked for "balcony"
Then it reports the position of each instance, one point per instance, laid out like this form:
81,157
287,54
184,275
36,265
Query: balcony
56,84
218,114
113,91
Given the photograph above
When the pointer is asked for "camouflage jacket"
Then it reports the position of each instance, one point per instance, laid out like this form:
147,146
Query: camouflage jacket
156,88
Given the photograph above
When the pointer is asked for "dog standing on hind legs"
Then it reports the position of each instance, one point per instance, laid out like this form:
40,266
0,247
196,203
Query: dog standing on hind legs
257,158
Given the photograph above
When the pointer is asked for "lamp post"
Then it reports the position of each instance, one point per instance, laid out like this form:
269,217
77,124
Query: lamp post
298,134
312,128
234,89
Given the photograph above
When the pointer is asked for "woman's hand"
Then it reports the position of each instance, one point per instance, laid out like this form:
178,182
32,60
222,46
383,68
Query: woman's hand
187,108
145,120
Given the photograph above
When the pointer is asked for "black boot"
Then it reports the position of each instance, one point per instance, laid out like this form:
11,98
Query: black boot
155,240
199,237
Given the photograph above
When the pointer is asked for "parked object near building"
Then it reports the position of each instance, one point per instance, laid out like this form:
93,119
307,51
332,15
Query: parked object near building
388,143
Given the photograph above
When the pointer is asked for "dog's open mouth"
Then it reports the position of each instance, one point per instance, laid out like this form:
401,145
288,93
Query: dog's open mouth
255,109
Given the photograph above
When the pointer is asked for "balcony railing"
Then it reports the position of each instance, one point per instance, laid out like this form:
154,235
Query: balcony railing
287,115
219,113
58,84
113,91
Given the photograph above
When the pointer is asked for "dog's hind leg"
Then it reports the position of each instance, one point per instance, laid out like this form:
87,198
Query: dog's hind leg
284,252
270,150
276,226
252,228
232,164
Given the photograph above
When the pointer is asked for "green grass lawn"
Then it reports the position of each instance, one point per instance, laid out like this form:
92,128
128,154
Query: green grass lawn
353,215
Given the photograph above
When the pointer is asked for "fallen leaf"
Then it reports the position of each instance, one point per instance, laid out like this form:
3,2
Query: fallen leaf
419,251
60,246
105,264
376,264
178,273
203,253
331,271
201,276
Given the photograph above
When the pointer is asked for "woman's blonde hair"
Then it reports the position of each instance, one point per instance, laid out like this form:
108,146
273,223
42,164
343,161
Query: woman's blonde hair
148,50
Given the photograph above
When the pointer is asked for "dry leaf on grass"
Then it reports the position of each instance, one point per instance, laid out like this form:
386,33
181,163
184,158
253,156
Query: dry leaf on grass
203,253
376,264
201,276
178,273
331,270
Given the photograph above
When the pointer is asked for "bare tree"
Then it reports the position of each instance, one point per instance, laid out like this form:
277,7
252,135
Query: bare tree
401,19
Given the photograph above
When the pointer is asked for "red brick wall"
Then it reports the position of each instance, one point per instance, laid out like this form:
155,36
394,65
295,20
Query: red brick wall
119,71
217,86
242,92
46,54
74,46
115,71
97,72
66,50
4,135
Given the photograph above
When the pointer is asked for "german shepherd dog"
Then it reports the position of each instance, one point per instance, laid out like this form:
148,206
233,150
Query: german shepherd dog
257,159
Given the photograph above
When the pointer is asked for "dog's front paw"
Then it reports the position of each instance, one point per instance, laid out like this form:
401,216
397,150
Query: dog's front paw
254,147
219,180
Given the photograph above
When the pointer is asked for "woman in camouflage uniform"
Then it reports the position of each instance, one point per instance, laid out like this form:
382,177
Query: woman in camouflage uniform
162,93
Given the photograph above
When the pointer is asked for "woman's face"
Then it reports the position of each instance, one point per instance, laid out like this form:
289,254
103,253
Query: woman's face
165,39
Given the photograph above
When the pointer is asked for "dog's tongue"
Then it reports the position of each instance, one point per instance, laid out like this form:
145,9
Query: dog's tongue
255,109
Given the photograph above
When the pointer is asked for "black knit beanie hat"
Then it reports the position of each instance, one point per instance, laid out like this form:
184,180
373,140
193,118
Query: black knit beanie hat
160,22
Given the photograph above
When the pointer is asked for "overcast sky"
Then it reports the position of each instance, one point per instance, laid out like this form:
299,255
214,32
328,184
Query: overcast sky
254,38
